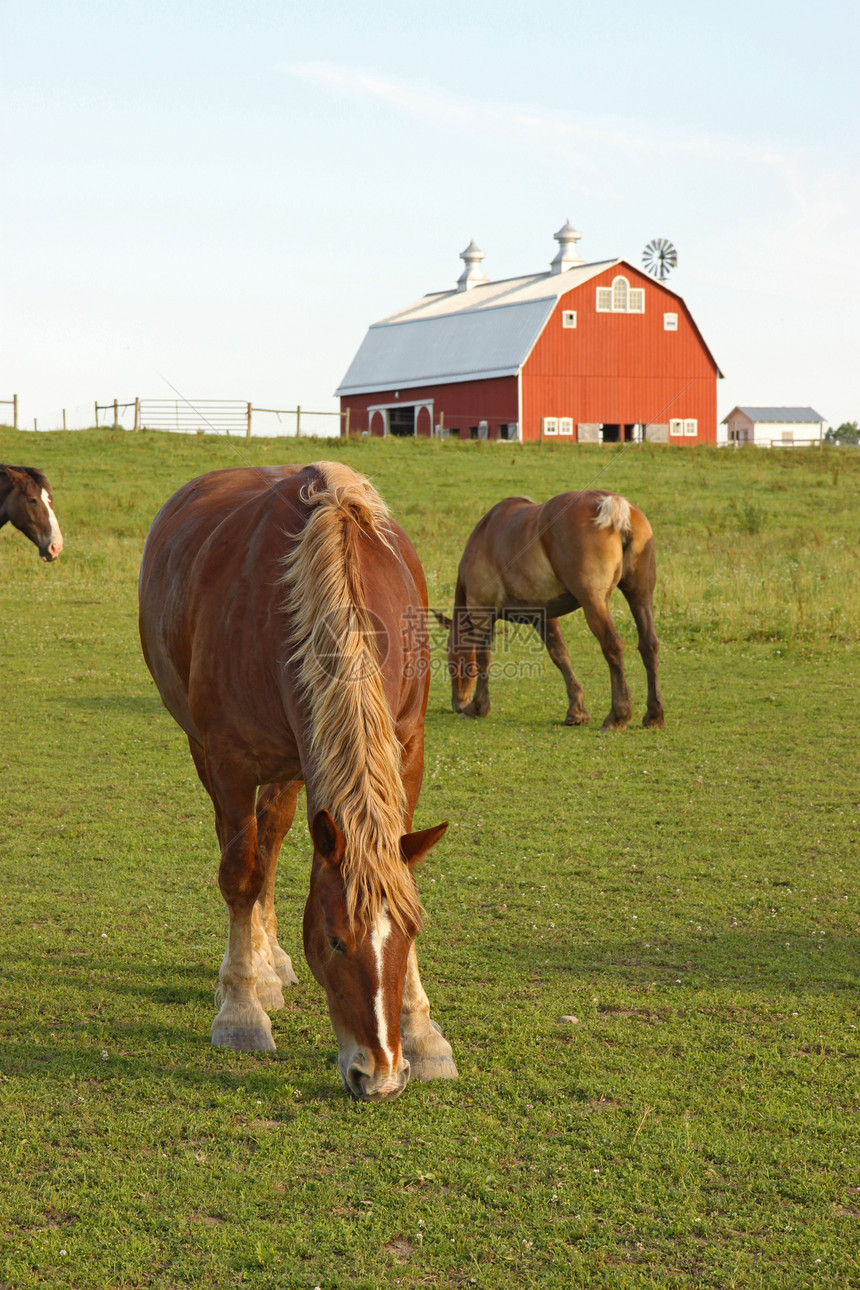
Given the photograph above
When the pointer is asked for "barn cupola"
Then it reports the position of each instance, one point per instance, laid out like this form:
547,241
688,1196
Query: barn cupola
473,275
568,257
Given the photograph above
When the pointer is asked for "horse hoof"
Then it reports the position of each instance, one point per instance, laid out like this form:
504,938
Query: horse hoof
282,965
286,974
577,719
242,1039
270,996
427,1068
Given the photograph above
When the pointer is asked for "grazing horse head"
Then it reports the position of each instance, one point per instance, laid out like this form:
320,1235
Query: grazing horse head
361,961
462,655
26,501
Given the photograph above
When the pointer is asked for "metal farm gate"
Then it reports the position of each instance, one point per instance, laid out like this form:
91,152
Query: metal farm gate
195,416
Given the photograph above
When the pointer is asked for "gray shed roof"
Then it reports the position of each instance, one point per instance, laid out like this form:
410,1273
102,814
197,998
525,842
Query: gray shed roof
785,415
459,335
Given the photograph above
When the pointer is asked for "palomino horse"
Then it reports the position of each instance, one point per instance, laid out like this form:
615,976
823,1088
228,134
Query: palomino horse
26,501
282,616
530,563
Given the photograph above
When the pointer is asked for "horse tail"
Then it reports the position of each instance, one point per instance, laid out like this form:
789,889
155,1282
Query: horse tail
354,751
613,511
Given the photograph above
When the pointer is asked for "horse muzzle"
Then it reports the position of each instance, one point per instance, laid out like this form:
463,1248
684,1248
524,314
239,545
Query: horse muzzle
376,1086
52,551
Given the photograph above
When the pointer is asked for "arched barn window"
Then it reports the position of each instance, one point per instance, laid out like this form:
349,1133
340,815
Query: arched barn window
620,298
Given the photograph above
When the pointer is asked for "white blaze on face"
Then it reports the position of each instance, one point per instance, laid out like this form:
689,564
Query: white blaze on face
56,535
378,937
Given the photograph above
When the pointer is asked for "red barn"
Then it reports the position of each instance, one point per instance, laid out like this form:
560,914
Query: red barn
586,352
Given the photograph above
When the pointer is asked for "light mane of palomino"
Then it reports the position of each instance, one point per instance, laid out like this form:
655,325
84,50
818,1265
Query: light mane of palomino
355,755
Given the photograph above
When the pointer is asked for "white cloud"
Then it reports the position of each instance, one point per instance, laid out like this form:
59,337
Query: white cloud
791,207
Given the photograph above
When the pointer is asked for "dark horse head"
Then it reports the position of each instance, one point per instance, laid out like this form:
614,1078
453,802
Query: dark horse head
26,501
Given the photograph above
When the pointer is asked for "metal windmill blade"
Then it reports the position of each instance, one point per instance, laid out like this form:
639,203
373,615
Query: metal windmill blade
659,258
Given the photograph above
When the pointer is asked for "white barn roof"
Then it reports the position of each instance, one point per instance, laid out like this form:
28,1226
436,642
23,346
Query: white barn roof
486,331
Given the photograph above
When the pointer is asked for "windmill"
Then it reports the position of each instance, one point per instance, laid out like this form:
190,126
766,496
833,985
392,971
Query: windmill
659,258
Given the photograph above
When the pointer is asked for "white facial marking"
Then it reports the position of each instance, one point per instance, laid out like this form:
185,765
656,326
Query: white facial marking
55,528
378,937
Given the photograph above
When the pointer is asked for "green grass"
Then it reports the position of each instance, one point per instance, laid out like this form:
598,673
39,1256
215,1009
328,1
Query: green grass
690,896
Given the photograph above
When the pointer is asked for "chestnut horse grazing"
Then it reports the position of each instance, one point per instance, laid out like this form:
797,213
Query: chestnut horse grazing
26,501
530,563
282,616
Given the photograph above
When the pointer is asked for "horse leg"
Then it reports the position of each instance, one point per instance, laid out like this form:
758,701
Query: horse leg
242,1023
551,635
600,621
276,807
483,622
273,966
198,756
642,608
424,1046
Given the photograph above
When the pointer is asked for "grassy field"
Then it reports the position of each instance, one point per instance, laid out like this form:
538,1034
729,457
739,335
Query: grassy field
642,945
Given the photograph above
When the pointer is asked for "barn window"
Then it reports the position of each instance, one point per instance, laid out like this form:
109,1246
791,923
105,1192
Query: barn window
568,318
549,425
691,429
620,298
620,287
565,425
676,428
670,322
509,430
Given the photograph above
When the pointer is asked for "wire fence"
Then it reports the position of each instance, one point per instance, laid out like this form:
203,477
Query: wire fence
241,417
180,415
13,404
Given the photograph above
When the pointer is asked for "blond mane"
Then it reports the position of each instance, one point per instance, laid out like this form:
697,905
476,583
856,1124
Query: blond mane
355,756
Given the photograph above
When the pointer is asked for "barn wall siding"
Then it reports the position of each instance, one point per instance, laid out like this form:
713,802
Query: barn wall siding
457,406
575,371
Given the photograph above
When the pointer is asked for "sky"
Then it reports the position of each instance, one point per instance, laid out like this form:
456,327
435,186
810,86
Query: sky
216,199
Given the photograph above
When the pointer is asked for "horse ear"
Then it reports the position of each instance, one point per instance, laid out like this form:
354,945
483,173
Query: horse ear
328,840
18,477
415,847
442,618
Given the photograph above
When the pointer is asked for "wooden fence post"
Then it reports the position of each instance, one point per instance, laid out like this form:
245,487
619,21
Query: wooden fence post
97,413
347,420
248,430
298,420
64,418
14,411
137,413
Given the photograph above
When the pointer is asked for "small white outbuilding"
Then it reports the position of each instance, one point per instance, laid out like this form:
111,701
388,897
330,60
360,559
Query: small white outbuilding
774,427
